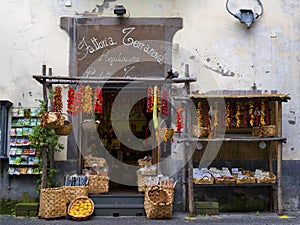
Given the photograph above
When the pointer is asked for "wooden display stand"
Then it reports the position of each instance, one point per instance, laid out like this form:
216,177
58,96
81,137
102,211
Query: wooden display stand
239,143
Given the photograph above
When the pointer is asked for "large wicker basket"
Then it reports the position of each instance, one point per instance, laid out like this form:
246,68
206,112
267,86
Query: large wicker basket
66,128
73,192
158,203
248,177
98,184
52,203
87,204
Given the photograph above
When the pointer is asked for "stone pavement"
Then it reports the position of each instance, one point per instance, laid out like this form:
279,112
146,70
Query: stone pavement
177,219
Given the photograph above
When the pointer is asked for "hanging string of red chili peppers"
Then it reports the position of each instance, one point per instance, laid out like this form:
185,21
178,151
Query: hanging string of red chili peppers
98,100
150,100
256,114
207,122
251,113
87,107
245,115
70,101
78,101
57,99
267,114
164,103
223,116
179,119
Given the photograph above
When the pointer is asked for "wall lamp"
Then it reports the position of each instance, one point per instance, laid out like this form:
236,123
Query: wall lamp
246,16
119,10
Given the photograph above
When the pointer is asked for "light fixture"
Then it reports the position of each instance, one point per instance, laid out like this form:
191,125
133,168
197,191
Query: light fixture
199,145
246,15
119,10
262,145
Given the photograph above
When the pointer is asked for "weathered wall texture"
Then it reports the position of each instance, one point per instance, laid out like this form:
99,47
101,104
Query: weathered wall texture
220,51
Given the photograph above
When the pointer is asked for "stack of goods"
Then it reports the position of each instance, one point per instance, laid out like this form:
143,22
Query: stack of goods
264,176
222,176
81,208
144,174
75,186
243,176
202,176
97,170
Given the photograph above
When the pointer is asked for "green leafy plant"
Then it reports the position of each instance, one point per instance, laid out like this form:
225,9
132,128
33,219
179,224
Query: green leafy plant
45,141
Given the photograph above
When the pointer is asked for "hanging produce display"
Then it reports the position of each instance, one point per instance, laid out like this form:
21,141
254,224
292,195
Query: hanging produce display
256,114
164,103
199,114
150,100
98,100
267,113
57,99
179,119
251,113
237,115
87,99
228,115
207,120
262,114
70,101
245,115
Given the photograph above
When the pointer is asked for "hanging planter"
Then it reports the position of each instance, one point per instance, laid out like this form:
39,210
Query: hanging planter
66,129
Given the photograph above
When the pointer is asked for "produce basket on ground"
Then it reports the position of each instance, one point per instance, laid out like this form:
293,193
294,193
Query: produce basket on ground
73,192
98,184
52,203
158,203
81,208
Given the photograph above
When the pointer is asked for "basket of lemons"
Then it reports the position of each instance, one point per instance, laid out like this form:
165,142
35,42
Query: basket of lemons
81,208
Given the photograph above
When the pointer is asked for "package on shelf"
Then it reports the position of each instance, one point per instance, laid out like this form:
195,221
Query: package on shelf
202,173
76,180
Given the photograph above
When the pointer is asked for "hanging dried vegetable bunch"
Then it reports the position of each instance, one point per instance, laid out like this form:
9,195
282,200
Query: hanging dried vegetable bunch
256,114
245,115
70,101
150,100
179,118
78,100
251,113
267,113
98,100
223,116
262,114
57,99
215,119
158,99
164,104
207,119
228,120
237,115
199,114
87,107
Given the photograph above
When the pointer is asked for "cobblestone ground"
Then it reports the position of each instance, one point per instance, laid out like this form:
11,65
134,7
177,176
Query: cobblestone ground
177,219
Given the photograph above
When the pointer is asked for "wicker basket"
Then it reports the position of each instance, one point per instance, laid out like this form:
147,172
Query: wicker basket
264,131
52,120
248,178
225,180
98,184
199,131
204,180
89,206
158,203
270,179
66,129
73,192
52,203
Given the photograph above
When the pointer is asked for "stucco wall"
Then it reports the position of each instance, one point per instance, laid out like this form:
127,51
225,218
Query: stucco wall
220,51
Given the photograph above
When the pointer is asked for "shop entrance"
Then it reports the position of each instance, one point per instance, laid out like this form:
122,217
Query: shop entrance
121,136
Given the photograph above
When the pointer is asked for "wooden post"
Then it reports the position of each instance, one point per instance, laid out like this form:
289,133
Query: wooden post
189,150
279,157
44,150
